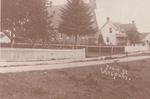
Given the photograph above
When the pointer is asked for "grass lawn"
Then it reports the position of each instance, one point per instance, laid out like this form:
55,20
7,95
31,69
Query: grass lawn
78,83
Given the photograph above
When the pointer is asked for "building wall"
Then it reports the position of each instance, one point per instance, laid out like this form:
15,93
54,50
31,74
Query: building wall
107,35
4,38
136,48
147,39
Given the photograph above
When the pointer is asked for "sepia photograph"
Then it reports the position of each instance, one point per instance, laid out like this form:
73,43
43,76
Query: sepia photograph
74,49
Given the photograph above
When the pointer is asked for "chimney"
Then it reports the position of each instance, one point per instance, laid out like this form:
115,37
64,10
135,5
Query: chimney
92,4
108,19
133,22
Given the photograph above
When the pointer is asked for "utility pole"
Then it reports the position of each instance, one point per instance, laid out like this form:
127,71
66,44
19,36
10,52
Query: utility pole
0,17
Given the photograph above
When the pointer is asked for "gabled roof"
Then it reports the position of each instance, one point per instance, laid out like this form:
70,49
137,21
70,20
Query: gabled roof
126,27
8,34
115,26
4,38
120,27
2,35
142,36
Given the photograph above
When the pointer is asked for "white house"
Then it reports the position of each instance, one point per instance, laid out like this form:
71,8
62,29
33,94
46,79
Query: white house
4,38
112,34
115,33
145,38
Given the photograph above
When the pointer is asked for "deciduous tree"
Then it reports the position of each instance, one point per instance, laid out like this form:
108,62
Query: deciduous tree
27,18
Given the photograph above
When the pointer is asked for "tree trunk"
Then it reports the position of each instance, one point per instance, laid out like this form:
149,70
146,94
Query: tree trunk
12,38
12,44
75,43
33,43
12,35
44,43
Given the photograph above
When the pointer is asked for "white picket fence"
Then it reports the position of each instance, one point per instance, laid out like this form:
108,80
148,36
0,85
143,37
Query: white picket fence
136,48
24,54
18,54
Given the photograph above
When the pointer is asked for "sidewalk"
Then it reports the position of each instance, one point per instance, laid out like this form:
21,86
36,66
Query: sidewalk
68,65
28,63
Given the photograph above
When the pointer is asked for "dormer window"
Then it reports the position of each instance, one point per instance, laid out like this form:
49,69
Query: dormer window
110,30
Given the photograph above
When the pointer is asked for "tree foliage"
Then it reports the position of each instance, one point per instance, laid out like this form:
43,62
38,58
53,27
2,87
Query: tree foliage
37,20
76,19
133,35
11,16
27,18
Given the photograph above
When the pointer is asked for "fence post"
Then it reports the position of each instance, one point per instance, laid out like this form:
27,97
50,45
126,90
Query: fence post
86,51
111,50
99,51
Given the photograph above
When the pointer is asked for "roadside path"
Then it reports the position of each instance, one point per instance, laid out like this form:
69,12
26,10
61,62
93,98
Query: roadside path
28,63
68,65
49,62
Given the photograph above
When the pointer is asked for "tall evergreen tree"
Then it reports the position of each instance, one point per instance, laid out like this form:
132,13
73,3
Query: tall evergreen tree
76,19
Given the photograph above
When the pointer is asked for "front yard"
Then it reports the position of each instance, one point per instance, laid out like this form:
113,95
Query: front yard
79,83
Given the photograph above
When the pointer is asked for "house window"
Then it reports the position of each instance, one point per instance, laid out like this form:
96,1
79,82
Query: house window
147,42
110,30
107,39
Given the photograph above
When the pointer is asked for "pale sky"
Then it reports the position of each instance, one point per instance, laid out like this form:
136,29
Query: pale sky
123,11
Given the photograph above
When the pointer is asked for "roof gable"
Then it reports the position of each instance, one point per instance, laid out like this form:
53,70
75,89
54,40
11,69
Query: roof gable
114,26
127,27
121,28
2,35
4,38
142,36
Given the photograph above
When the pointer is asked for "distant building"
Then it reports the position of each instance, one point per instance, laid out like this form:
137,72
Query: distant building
145,38
4,38
115,33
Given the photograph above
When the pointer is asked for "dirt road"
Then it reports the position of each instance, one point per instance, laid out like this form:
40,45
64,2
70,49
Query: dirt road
14,69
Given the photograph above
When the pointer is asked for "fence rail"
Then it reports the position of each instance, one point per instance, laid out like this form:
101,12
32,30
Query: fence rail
91,50
45,46
104,50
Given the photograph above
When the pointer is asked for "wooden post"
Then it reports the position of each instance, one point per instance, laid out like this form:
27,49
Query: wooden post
99,51
86,51
112,50
0,17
